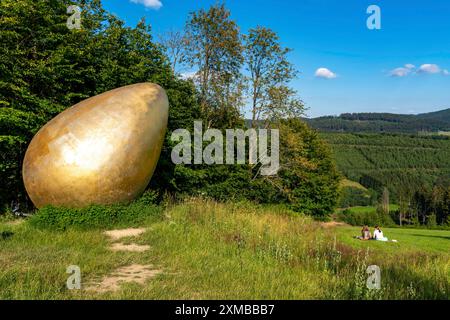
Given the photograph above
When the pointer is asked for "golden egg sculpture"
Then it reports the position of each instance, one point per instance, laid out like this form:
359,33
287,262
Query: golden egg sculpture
102,150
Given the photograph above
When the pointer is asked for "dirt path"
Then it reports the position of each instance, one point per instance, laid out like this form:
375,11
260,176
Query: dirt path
332,224
132,273
123,233
129,247
15,222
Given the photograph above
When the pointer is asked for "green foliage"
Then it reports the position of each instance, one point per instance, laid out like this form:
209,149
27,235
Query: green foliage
239,183
431,206
369,218
183,111
351,196
95,216
214,48
447,221
148,198
431,221
11,151
308,177
269,74
307,180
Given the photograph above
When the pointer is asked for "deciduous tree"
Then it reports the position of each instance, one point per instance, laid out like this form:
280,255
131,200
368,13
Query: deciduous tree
214,49
269,74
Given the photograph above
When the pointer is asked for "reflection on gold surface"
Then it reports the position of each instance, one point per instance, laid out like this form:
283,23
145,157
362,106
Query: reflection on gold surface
102,150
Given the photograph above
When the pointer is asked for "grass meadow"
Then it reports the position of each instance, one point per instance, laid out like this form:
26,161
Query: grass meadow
210,250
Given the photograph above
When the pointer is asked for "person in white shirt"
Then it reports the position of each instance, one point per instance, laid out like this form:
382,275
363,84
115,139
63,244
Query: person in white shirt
378,234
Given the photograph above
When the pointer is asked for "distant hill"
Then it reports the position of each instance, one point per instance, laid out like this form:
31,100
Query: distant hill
383,122
402,163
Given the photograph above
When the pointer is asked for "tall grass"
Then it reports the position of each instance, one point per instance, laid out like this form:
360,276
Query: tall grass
288,241
210,250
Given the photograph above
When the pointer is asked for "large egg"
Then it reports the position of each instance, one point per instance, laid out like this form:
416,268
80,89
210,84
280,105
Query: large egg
102,150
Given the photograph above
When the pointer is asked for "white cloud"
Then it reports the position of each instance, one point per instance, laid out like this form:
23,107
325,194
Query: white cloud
153,4
400,72
325,73
403,71
429,68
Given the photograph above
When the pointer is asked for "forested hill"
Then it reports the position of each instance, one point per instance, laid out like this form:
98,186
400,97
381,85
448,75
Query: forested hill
384,122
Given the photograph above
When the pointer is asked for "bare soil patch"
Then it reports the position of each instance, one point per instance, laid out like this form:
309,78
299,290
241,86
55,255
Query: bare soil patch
129,247
123,233
132,273
15,222
332,224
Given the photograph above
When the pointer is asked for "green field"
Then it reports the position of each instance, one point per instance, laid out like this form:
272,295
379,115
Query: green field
205,250
369,209
409,240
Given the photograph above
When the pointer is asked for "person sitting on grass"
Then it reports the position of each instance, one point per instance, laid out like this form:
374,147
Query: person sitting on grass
365,234
378,234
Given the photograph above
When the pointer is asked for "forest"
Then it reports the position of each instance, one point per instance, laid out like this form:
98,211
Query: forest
432,122
414,170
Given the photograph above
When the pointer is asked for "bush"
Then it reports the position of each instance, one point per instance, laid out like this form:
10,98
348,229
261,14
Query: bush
95,216
148,198
431,221
371,218
7,215
308,178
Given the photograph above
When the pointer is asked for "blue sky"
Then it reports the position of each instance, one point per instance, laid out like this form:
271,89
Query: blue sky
401,68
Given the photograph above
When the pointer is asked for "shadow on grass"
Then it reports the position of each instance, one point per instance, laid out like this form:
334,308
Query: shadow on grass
418,286
5,235
431,236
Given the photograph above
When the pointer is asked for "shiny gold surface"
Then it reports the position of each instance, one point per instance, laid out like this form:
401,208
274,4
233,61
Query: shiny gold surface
102,150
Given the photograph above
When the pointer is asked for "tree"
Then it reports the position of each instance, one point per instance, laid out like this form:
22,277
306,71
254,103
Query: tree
270,71
175,43
308,179
404,201
283,103
29,32
214,49
385,201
